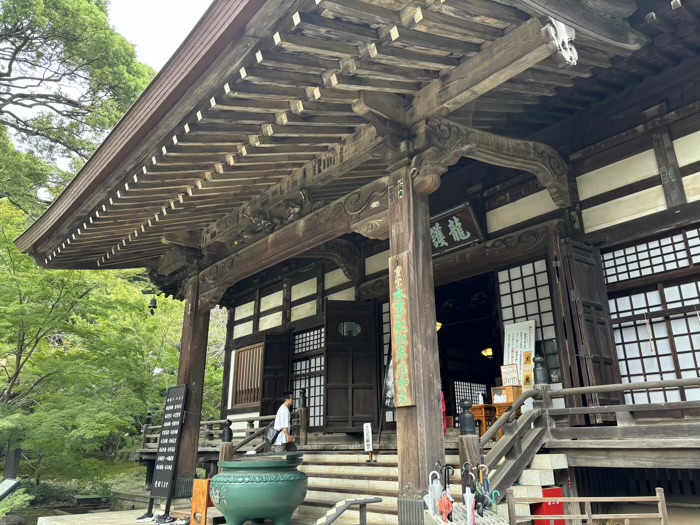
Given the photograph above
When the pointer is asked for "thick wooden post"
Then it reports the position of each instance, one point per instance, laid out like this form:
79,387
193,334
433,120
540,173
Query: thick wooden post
193,351
420,439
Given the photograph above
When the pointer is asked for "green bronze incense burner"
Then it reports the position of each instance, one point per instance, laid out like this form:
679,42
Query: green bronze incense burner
258,488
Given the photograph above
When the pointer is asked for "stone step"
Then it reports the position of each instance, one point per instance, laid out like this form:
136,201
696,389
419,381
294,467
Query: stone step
312,458
542,478
527,491
365,471
351,459
550,462
353,485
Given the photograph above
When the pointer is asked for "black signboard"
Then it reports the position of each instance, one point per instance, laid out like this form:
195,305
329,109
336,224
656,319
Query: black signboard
455,228
166,460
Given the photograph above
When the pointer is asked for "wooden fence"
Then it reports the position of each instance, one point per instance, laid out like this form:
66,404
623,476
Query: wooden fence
586,515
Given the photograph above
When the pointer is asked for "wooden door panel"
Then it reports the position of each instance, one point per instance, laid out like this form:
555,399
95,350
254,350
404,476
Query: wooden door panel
597,356
275,372
351,366
566,339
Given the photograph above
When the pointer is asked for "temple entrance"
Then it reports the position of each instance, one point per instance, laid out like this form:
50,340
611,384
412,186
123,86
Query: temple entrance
469,340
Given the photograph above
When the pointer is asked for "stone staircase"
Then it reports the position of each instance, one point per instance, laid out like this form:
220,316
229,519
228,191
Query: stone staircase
338,476
540,474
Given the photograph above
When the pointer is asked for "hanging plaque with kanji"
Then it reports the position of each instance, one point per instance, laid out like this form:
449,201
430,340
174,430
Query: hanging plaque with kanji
453,229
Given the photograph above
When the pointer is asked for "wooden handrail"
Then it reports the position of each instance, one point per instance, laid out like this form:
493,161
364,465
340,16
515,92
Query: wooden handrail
626,387
259,432
511,412
361,502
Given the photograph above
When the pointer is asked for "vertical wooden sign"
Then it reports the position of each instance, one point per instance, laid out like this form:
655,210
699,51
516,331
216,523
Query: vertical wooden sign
401,351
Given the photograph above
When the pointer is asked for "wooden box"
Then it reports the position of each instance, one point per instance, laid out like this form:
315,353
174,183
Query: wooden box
511,392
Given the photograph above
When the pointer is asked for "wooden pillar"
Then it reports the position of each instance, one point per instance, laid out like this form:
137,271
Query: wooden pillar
420,439
668,168
193,351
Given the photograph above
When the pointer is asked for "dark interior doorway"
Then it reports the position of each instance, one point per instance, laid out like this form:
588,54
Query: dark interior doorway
468,312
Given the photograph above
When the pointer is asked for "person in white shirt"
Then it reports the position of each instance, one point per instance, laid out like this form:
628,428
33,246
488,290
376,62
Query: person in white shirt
282,423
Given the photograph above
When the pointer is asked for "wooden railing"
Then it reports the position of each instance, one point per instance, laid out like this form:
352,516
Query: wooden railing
590,518
211,433
524,436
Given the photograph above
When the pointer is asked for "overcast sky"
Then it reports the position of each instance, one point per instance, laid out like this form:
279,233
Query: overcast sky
156,27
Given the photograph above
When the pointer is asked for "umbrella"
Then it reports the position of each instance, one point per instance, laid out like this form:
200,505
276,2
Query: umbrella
469,501
484,478
466,470
445,504
434,492
494,501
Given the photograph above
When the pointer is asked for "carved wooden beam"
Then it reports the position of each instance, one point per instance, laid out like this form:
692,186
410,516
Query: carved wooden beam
342,252
319,227
603,20
376,227
338,160
510,55
444,142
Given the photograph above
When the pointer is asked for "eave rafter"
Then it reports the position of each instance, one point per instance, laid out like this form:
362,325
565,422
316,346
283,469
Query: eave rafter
311,107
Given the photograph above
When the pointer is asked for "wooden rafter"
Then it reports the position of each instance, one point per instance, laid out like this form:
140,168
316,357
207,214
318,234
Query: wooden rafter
507,57
314,79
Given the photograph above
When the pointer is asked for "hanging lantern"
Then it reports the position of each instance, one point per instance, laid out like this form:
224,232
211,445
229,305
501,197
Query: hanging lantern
153,305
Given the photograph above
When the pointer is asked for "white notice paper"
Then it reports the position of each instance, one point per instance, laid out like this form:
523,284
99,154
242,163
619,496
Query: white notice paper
518,339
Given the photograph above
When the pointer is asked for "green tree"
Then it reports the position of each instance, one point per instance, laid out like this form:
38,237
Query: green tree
35,306
82,361
66,76
23,176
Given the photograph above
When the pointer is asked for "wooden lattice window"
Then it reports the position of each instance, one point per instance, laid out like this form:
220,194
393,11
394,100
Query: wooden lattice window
308,367
668,253
657,336
466,390
247,382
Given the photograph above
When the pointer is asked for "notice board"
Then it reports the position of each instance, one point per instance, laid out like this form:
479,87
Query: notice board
169,442
519,340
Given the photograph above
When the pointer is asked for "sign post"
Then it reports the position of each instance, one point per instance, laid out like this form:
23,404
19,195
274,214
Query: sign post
168,446
367,429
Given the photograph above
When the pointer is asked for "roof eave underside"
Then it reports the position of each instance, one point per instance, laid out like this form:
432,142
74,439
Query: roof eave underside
276,102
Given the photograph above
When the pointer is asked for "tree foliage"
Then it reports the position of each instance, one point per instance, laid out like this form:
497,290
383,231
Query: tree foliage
36,306
14,502
81,360
66,76
23,175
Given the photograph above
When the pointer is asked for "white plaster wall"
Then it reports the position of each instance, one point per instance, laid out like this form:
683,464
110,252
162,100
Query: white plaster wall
519,211
377,263
617,175
624,209
334,278
687,149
